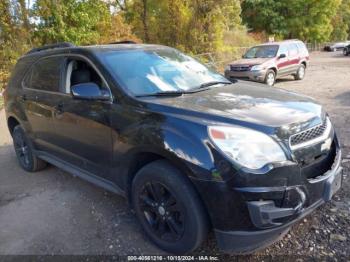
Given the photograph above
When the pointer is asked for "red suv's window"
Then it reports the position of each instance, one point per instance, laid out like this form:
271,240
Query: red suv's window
293,49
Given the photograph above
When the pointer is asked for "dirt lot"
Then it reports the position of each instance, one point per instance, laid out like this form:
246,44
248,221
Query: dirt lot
51,212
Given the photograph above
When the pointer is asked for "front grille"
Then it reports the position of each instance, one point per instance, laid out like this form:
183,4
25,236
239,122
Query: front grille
308,135
240,68
321,164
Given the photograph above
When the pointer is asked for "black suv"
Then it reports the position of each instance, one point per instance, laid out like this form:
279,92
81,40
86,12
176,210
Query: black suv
191,151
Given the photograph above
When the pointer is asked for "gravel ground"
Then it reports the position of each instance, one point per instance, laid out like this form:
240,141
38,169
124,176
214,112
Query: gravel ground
53,213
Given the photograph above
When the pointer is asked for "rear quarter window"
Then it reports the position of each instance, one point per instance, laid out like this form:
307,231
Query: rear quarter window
302,47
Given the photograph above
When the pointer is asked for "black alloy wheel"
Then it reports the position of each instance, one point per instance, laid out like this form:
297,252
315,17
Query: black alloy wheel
22,149
169,208
163,213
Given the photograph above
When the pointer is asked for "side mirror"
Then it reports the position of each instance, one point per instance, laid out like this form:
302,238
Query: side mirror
88,91
282,56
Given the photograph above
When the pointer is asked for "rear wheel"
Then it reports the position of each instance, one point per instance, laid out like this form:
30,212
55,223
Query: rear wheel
270,78
24,152
300,73
168,208
345,52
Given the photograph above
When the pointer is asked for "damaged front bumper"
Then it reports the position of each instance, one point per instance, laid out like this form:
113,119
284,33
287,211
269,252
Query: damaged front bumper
271,222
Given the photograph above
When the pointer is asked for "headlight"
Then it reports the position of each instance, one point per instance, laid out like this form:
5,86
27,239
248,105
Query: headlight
246,147
257,68
228,68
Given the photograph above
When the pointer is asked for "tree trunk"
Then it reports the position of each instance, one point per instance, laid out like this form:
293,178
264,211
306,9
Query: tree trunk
144,21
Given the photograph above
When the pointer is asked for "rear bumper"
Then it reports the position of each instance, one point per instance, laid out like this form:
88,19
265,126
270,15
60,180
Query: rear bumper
269,219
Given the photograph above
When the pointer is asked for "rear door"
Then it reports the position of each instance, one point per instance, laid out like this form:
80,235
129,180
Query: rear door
294,58
40,90
283,63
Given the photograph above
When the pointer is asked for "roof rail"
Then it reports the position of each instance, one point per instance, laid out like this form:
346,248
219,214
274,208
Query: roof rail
52,46
123,42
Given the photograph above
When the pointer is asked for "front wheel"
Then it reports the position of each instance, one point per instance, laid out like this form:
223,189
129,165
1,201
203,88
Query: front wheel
300,73
270,78
168,208
345,52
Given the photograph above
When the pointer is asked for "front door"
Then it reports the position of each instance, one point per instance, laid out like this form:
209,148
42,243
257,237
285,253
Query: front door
83,133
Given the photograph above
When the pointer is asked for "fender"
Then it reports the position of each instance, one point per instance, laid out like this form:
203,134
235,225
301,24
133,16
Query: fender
190,153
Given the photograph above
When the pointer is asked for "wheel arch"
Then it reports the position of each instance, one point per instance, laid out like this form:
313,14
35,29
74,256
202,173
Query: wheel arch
274,69
12,122
143,158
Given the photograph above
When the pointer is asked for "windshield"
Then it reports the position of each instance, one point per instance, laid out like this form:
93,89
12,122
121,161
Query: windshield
163,70
267,51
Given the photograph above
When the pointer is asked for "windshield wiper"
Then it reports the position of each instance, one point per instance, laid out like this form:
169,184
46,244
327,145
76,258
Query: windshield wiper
202,87
165,93
213,83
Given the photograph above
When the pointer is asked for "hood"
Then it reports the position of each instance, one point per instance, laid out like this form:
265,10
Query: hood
250,62
251,103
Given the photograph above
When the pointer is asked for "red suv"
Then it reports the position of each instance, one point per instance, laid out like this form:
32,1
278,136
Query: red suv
267,62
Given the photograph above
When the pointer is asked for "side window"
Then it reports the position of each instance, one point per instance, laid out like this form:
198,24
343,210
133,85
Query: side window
283,50
302,47
27,78
46,74
293,49
79,72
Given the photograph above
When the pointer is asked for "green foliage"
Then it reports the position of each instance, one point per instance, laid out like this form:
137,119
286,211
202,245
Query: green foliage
193,26
49,21
309,20
15,33
341,22
70,20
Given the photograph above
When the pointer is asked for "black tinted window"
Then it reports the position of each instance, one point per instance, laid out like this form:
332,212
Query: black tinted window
46,74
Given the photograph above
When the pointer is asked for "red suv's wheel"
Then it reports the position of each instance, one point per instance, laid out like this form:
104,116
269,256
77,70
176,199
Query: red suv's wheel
300,73
270,78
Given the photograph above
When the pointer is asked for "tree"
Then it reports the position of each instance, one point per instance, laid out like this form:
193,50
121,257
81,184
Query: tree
15,35
191,25
309,20
341,22
70,20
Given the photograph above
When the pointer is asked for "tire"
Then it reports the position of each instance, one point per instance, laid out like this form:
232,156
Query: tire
168,208
300,74
345,52
24,152
270,78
